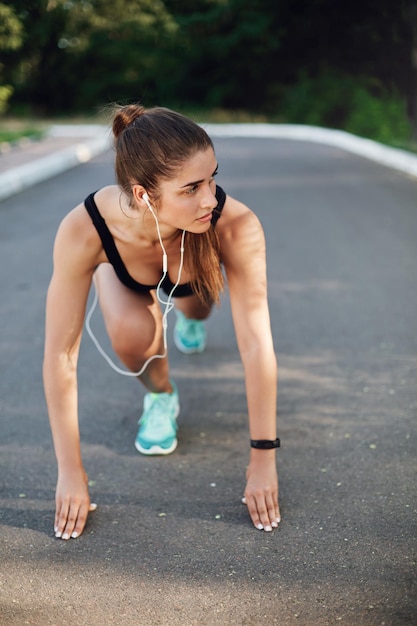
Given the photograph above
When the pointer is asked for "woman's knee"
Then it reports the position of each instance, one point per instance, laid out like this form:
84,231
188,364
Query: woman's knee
133,321
193,307
133,334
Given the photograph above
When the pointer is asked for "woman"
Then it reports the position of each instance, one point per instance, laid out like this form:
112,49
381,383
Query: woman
164,226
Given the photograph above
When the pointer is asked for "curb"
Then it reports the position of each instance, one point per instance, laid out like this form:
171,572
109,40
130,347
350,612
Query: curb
24,176
98,140
394,158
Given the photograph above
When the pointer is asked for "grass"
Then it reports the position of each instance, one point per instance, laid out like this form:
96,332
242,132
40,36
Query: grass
409,146
10,133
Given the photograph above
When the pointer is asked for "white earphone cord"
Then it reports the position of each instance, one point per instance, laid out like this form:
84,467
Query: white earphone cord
168,307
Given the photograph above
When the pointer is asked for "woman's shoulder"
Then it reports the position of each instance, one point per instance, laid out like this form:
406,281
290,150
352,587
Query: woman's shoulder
77,219
77,230
108,198
241,235
237,219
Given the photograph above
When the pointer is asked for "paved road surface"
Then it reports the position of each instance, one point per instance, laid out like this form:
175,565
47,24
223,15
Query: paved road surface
170,543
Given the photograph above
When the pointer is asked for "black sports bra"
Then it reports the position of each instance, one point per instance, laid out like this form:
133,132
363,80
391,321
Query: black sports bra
116,261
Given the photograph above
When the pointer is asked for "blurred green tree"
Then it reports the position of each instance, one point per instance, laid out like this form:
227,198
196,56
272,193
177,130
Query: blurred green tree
78,54
229,50
129,54
298,60
411,16
11,31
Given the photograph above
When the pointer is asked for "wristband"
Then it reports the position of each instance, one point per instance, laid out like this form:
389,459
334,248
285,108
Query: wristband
265,444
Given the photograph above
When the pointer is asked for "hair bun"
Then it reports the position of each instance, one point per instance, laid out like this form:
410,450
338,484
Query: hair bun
125,116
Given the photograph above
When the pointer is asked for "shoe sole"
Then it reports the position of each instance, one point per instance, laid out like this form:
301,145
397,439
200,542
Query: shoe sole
156,450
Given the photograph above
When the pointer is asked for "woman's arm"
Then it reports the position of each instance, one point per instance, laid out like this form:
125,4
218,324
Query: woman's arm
65,310
243,253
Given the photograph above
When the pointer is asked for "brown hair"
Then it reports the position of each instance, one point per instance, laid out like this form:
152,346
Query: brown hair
151,145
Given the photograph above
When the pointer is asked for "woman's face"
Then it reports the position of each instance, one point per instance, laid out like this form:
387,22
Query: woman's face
186,201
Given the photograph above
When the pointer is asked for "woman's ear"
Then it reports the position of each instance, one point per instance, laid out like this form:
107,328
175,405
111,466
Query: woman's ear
139,195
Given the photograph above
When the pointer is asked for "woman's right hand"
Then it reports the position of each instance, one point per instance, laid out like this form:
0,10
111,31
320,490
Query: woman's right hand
72,504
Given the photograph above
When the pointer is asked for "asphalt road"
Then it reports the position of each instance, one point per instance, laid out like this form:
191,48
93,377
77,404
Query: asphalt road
171,543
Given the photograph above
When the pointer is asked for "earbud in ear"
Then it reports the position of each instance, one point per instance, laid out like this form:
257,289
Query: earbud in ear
148,202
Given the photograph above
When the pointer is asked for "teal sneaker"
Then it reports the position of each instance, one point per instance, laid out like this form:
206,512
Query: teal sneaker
157,425
189,335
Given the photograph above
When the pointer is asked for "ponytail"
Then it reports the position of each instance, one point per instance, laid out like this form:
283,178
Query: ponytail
202,253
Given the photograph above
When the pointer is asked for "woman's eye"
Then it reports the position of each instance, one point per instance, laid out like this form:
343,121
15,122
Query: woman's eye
192,189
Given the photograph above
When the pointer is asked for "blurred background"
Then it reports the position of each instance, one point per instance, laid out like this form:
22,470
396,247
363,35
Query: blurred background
348,65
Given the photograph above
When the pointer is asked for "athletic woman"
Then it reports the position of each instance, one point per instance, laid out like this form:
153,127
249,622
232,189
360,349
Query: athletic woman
164,235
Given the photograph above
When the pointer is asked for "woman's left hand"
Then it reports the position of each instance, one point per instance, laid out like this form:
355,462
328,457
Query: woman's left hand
261,493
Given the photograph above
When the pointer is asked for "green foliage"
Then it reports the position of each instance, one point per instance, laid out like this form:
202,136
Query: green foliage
11,32
320,101
126,58
9,136
342,101
381,118
227,49
79,55
5,93
303,61
11,29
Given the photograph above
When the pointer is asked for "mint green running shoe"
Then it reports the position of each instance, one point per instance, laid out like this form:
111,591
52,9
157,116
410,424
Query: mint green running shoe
157,432
189,334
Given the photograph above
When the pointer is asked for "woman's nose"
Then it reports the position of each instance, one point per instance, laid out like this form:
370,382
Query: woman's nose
209,200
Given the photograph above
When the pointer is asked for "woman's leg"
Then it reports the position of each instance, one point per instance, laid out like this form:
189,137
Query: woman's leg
193,308
134,324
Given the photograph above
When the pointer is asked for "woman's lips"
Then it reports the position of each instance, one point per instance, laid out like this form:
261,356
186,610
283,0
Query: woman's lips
205,218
